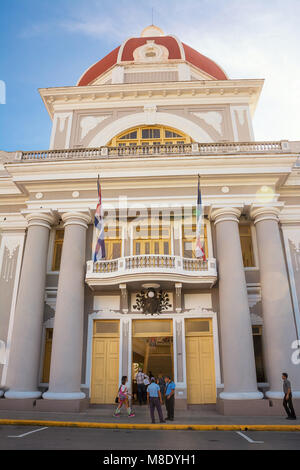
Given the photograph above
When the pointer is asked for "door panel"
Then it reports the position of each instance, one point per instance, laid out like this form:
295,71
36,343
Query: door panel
105,370
201,387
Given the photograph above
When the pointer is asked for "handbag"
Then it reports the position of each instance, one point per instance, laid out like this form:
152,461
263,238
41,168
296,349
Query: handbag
117,397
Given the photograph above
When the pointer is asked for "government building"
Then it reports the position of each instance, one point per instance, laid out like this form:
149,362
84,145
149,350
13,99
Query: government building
148,118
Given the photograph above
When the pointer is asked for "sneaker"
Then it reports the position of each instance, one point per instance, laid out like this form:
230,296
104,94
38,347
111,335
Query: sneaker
116,415
163,421
131,415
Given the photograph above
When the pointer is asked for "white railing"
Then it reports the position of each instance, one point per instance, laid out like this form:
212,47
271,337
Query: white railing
151,263
155,150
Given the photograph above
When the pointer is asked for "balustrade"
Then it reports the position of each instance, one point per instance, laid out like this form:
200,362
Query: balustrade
162,149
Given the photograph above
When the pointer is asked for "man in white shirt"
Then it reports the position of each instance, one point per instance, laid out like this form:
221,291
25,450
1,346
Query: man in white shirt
140,377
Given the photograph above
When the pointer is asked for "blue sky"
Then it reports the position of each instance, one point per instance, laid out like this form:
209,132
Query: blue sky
50,43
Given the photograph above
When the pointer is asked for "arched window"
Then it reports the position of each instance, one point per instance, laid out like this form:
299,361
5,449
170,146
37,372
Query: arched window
150,135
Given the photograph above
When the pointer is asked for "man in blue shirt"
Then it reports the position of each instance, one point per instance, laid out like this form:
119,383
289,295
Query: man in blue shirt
154,400
170,398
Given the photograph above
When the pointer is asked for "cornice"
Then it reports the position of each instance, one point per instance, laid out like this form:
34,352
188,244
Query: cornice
135,93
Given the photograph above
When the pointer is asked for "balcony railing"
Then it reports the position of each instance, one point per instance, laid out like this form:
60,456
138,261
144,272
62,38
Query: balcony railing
150,263
155,150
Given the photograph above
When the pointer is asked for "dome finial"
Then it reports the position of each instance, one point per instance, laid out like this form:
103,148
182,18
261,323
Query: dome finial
152,31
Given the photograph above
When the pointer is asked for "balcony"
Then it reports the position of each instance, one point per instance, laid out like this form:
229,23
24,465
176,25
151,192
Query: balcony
151,268
192,149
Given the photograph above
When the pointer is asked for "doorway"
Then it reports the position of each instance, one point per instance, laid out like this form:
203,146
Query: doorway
152,347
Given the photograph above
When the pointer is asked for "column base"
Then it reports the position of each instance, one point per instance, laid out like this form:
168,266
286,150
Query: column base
63,396
65,406
241,395
255,408
277,395
18,404
21,395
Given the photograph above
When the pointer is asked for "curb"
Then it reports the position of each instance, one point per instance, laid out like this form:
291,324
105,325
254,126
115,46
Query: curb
182,427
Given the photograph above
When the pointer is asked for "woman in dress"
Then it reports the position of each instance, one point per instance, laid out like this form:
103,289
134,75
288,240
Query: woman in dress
123,395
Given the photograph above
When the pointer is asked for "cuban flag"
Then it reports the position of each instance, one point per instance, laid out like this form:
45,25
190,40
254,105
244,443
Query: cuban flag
200,253
99,224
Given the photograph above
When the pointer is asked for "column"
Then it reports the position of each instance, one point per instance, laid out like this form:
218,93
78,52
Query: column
66,358
279,323
24,357
236,332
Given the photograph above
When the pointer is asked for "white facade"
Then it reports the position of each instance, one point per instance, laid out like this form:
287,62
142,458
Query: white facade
249,189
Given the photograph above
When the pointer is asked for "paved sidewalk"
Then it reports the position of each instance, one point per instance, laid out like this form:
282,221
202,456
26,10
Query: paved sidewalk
105,415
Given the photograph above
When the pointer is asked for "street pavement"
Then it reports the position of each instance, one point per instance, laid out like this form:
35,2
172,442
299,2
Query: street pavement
104,414
17,437
51,438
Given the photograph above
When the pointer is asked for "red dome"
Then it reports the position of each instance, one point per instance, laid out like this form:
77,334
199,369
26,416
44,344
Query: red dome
177,50
99,68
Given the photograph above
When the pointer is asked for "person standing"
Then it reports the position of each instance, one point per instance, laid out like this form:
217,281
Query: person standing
161,383
140,376
154,400
123,399
170,398
146,383
287,399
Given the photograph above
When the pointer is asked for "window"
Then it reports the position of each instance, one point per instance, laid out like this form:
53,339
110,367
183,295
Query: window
160,244
150,135
171,134
189,241
113,243
130,135
58,244
246,245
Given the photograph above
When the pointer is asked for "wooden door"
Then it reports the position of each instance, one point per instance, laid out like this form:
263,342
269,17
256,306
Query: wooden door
47,355
105,370
200,368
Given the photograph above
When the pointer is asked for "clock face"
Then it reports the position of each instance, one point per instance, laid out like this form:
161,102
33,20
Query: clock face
151,294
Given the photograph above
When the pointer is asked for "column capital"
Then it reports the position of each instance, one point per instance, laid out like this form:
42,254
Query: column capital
45,218
265,212
82,218
225,213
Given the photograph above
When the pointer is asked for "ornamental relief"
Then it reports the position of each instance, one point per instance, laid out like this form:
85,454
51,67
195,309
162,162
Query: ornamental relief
150,52
9,261
88,127
213,119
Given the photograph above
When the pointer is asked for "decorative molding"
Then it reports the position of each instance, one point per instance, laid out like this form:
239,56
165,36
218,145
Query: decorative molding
212,118
88,123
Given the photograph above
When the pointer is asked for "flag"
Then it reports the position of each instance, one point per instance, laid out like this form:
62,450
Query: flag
99,224
199,248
